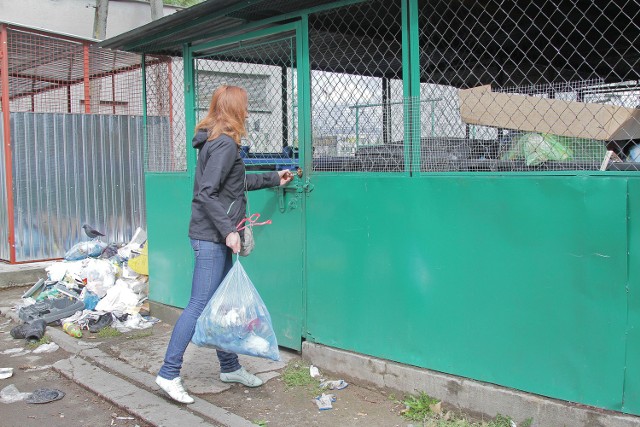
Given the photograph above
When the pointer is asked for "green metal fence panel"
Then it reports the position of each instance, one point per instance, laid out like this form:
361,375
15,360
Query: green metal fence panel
631,398
515,281
275,265
170,253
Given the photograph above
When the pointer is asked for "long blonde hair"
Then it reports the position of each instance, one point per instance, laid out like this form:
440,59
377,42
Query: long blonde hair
227,113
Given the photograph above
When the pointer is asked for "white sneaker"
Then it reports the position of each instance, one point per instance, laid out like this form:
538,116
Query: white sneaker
175,389
241,376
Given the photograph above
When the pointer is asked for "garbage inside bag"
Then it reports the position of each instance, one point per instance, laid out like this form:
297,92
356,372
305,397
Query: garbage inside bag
90,299
84,250
101,276
236,319
118,298
537,148
32,331
140,263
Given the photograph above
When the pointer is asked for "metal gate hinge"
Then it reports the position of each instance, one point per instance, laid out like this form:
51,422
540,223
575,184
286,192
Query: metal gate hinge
308,186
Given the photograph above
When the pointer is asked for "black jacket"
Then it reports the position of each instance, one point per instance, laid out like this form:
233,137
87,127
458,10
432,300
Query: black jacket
219,203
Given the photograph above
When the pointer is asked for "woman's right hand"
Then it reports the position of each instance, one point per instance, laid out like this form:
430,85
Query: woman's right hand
233,241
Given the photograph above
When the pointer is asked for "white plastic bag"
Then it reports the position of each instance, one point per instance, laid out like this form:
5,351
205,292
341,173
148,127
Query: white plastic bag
236,319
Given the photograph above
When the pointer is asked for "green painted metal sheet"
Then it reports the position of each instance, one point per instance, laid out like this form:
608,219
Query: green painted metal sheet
518,281
632,376
170,253
275,265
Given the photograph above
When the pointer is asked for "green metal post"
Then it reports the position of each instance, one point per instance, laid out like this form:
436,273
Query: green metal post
414,73
189,104
411,82
305,145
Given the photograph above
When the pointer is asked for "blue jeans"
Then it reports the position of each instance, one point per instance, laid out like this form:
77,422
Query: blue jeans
213,262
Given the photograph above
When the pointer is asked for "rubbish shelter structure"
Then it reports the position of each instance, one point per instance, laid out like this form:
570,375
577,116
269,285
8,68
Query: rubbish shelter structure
71,139
468,200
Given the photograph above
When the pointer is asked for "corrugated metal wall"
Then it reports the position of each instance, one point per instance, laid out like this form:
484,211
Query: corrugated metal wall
4,221
71,169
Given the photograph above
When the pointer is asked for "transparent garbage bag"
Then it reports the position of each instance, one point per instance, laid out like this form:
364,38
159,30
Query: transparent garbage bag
236,319
84,250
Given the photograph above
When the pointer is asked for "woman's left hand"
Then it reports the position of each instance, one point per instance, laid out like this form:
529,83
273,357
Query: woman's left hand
285,176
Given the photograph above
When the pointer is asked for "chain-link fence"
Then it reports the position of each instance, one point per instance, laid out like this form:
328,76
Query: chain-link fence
265,68
432,85
356,88
504,86
166,132
562,83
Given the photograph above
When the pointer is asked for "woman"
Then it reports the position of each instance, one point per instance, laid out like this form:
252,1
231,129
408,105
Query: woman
218,205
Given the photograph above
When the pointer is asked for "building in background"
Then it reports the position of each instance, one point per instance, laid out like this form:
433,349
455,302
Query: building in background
76,17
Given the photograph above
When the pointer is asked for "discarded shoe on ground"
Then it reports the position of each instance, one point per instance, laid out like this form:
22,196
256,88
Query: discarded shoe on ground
96,325
32,331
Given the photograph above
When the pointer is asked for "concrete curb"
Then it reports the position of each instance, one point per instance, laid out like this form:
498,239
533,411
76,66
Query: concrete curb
21,276
118,382
130,398
468,395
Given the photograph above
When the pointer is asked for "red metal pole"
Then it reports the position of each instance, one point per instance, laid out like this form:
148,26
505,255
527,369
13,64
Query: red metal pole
87,91
113,92
6,122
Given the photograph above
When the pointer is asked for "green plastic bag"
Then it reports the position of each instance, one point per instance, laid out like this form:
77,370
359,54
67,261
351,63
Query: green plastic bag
537,148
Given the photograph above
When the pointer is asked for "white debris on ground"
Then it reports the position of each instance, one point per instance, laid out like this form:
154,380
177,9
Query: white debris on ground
97,285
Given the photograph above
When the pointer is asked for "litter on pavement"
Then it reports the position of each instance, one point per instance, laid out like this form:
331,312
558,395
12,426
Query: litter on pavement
97,285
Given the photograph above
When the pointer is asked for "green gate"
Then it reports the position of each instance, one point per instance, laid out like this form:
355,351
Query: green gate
265,64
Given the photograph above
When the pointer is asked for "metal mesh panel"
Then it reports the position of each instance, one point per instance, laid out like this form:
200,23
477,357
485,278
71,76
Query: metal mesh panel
265,68
565,65
166,133
356,88
4,218
49,74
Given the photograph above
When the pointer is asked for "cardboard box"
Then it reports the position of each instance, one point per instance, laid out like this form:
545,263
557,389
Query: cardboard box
480,106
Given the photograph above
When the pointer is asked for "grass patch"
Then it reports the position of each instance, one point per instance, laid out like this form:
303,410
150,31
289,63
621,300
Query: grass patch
428,411
261,423
35,344
297,374
418,408
108,332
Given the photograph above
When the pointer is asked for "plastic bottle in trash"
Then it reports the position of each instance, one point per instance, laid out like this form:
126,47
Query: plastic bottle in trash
72,329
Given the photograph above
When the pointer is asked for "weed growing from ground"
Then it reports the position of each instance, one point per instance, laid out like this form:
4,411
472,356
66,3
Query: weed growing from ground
108,332
418,408
297,375
35,344
428,411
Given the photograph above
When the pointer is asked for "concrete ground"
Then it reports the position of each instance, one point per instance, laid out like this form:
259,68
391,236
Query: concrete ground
116,375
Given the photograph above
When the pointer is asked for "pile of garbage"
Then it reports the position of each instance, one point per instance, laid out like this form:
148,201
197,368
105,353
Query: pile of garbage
97,285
